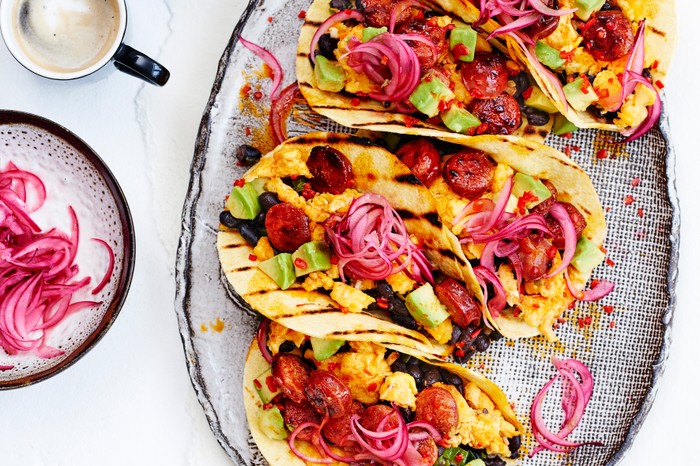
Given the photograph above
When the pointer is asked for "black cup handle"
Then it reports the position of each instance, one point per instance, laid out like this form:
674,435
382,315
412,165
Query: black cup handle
135,63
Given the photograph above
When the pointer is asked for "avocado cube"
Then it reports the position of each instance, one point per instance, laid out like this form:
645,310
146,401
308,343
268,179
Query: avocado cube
476,462
579,98
465,36
537,99
311,257
428,95
523,183
563,126
324,349
280,268
271,423
259,185
548,56
370,33
329,76
243,202
585,8
587,256
458,119
266,387
425,307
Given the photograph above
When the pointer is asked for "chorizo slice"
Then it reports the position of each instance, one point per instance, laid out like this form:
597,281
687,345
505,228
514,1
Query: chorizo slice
291,374
297,413
331,170
436,406
486,76
422,158
287,227
501,114
328,394
468,172
463,308
607,35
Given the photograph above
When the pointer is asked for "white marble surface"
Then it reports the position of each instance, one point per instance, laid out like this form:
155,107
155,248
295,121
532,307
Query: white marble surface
130,401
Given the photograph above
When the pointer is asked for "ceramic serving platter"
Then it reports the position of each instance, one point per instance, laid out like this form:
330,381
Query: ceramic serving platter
624,339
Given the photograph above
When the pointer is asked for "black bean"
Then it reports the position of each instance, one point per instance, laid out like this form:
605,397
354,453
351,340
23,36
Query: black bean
416,373
228,220
405,320
451,378
247,155
327,46
259,220
607,6
287,347
494,461
514,445
536,117
481,342
468,353
341,4
495,335
400,314
384,289
267,200
456,334
250,234
522,82
431,376
414,361
406,414
398,366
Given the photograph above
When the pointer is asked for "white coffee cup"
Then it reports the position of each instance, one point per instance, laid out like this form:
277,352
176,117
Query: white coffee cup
69,39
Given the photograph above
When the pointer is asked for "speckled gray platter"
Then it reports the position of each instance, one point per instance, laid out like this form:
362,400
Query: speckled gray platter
626,349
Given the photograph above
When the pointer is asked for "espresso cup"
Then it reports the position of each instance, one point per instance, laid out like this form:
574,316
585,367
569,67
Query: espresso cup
69,39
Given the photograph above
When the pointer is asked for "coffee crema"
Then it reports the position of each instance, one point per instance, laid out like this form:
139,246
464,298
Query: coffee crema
66,35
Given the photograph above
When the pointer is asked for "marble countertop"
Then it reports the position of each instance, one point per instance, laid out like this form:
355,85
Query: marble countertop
129,401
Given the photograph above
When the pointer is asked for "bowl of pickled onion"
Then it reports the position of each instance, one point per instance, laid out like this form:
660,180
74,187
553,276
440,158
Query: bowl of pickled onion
66,248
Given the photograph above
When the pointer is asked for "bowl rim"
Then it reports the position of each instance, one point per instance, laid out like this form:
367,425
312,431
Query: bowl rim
13,117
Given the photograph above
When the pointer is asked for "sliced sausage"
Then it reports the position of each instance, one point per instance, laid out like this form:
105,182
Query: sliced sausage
287,227
377,13
422,158
331,170
536,253
545,25
461,305
469,172
337,430
327,393
297,413
501,114
543,207
375,414
486,76
436,406
427,28
291,374
576,217
607,35
427,449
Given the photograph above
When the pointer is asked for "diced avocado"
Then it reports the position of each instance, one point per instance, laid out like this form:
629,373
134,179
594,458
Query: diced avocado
329,76
548,56
587,256
466,36
370,33
243,202
324,349
580,94
537,99
311,257
458,119
428,94
271,423
425,307
563,126
525,183
476,462
587,7
259,185
266,387
280,268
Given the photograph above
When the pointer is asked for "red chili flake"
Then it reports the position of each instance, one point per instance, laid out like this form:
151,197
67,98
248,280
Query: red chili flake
460,51
635,182
571,305
567,151
335,259
580,322
294,176
516,312
602,93
475,333
610,262
588,320
333,366
245,89
460,344
608,209
372,387
629,200
257,95
252,257
603,250
567,135
659,84
300,263
257,384
561,320
576,148
602,154
586,85
555,325
382,302
608,309
344,309
612,324
268,406
459,352
452,88
567,56
307,192
524,200
655,65
640,212
302,14
459,457
527,92
482,128
270,382
482,366
248,132
240,182
269,19
410,121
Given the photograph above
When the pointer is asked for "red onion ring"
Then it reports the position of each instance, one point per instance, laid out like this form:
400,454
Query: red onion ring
267,57
297,452
496,304
261,337
280,110
599,291
110,266
327,24
559,213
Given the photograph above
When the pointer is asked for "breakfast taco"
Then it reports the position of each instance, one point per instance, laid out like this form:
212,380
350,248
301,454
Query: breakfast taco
405,66
527,217
326,401
333,236
600,62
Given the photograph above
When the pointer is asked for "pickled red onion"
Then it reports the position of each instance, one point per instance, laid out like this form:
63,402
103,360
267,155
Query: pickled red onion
279,112
599,291
270,60
496,304
527,12
327,24
570,238
261,337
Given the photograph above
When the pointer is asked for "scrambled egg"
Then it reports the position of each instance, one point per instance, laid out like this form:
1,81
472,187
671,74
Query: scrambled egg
350,298
634,109
279,334
480,424
607,83
316,280
263,250
442,333
399,388
400,282
363,370
329,204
